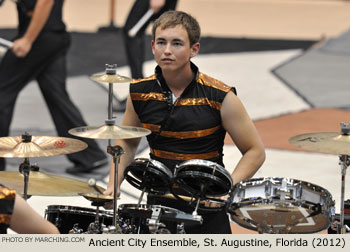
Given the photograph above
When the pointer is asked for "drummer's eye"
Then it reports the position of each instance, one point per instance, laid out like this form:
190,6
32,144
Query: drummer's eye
160,42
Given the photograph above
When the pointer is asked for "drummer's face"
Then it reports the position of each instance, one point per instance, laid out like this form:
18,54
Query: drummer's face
171,48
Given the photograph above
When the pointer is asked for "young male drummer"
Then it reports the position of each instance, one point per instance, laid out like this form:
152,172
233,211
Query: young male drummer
188,113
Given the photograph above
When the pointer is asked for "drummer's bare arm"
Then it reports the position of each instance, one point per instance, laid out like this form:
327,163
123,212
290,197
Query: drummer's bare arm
156,5
25,220
129,146
42,9
240,127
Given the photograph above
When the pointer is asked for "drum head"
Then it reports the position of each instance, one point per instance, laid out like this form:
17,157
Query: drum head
203,178
149,175
280,205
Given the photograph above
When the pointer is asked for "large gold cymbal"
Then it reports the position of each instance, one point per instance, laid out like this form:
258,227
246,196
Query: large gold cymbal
43,184
109,132
110,78
323,142
39,146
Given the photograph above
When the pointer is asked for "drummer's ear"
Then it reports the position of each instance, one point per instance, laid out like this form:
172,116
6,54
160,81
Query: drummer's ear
195,49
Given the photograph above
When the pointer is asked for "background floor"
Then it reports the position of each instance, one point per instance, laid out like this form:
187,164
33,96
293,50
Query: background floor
288,59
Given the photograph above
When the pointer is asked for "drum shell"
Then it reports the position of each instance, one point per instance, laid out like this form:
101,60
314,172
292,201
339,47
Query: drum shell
139,216
278,203
64,217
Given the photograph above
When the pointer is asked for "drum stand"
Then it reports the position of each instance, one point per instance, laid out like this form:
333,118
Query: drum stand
25,168
96,227
344,162
114,151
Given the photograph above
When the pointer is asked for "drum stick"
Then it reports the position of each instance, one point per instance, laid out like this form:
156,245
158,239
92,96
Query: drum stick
92,183
186,198
6,43
133,31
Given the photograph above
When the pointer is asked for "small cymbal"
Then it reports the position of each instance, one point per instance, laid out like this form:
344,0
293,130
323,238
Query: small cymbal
38,146
109,132
43,184
323,142
97,198
110,78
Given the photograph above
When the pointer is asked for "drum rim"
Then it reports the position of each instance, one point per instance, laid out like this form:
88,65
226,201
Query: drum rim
255,181
133,176
241,224
83,210
206,163
148,207
155,163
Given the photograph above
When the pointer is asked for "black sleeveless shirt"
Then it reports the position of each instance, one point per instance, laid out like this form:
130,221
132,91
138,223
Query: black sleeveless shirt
7,201
190,128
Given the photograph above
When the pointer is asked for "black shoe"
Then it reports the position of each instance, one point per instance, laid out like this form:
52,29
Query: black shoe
79,168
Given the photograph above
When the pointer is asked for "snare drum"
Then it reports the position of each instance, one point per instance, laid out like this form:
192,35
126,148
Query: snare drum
149,175
203,178
65,217
281,205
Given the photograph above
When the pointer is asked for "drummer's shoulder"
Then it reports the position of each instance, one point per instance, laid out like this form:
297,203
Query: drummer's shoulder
144,80
209,81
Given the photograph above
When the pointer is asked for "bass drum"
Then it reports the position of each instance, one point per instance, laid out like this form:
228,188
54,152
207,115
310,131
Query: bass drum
66,217
280,205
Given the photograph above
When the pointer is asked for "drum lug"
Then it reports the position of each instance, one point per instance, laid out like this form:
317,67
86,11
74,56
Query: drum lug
267,190
58,221
154,222
94,228
75,229
180,228
283,190
299,192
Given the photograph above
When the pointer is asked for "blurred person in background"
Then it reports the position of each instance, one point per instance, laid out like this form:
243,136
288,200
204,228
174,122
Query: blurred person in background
135,44
39,52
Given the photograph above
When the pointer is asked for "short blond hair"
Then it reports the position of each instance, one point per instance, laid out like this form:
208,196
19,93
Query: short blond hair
174,18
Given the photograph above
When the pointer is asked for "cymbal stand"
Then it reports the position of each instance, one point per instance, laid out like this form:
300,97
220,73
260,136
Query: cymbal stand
115,151
24,168
344,162
95,227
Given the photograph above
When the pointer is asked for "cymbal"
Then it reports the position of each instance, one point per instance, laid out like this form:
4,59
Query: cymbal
97,198
323,142
38,146
110,78
109,132
43,184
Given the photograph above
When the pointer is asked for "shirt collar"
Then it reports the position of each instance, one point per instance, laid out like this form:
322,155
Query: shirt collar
161,81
